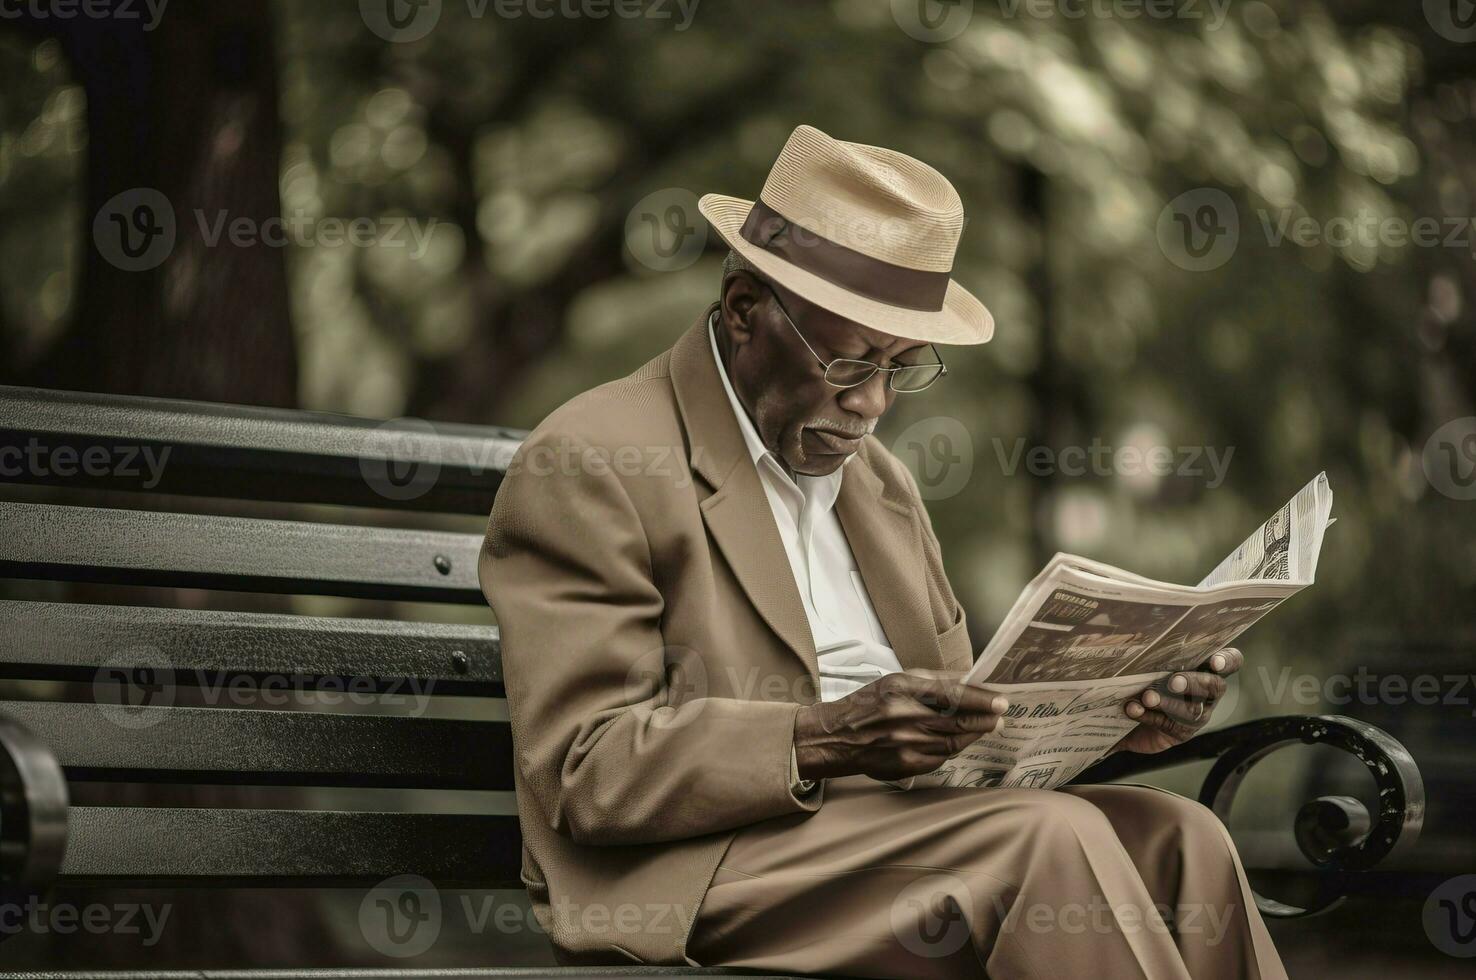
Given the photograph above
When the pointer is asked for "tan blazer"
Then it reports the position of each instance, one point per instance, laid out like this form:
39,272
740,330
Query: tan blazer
656,650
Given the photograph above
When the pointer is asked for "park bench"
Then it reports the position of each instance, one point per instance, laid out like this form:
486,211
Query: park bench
137,722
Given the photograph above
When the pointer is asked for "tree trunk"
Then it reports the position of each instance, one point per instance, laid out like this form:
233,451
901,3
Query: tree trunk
183,124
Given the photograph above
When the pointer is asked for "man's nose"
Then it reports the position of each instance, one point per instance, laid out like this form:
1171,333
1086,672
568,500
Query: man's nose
868,399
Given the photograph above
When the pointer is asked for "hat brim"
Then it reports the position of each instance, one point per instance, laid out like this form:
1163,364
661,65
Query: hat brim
962,320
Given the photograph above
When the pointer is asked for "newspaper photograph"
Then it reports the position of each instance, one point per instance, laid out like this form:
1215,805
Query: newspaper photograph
1077,636
1084,637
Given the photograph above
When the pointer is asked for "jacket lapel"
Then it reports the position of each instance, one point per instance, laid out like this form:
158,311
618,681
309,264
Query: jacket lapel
879,522
737,513
882,529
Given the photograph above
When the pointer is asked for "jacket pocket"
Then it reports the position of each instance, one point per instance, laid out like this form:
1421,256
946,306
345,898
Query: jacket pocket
954,645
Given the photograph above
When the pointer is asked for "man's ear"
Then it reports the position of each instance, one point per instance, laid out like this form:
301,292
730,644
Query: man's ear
742,294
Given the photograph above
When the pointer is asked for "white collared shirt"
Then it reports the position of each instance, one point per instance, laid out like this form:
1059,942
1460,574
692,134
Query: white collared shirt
850,644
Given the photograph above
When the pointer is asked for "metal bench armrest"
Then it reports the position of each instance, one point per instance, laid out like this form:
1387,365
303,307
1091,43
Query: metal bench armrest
1336,833
33,811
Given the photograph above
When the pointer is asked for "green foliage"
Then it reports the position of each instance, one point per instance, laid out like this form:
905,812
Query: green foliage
530,141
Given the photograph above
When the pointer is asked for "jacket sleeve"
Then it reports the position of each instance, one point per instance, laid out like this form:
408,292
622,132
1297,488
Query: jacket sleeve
617,745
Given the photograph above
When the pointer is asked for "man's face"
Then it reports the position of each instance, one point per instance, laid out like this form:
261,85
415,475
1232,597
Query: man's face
808,422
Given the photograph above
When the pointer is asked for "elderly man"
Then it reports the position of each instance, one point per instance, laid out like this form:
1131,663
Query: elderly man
726,626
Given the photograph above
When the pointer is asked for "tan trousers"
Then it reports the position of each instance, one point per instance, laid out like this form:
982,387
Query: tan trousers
1091,881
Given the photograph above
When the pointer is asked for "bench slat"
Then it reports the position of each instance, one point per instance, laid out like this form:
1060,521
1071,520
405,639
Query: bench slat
182,447
250,746
90,544
70,641
199,846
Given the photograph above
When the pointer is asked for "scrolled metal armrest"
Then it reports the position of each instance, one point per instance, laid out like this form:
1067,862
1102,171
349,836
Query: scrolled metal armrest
33,811
1336,833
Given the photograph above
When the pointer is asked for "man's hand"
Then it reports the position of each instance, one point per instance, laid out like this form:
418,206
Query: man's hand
1166,718
900,725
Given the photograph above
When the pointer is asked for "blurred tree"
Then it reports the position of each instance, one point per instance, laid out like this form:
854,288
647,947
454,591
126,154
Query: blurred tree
187,109
181,120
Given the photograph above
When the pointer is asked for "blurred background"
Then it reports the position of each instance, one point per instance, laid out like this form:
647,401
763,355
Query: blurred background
1241,230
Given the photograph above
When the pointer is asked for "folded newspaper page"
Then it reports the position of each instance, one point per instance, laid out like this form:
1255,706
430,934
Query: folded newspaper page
1085,637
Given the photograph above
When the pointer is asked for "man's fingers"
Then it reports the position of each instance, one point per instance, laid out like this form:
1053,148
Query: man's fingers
954,744
1188,685
974,721
1196,685
1225,662
950,745
951,696
1194,712
1172,727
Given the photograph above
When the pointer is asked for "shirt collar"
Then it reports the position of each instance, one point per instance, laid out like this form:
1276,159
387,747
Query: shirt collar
829,484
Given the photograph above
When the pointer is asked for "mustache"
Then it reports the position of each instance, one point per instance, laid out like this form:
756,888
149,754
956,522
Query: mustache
847,429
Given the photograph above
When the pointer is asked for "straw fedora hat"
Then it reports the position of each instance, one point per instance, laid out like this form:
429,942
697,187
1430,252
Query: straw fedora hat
865,232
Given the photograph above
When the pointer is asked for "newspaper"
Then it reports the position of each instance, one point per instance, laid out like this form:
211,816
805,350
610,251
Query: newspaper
1084,637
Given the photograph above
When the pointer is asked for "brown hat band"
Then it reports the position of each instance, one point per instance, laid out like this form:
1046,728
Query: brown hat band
896,285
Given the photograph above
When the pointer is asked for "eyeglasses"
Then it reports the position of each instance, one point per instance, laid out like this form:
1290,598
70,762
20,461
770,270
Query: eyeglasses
848,372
